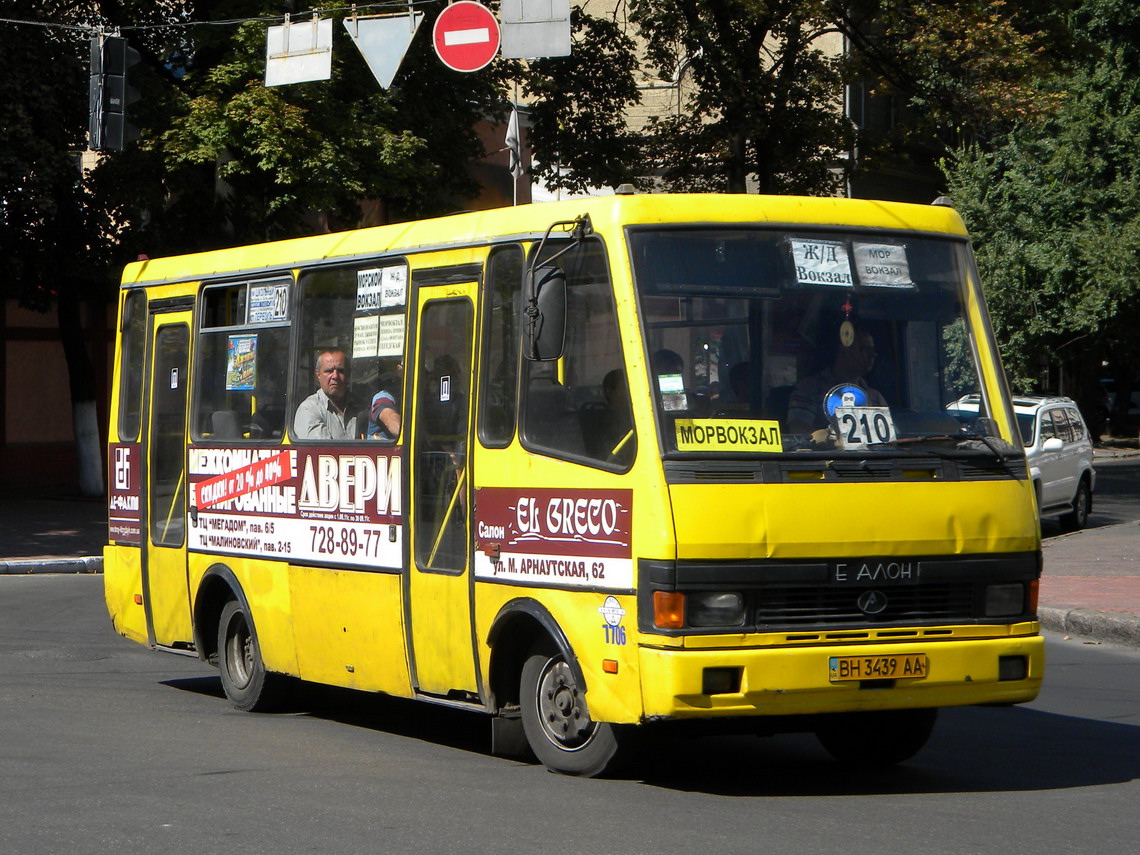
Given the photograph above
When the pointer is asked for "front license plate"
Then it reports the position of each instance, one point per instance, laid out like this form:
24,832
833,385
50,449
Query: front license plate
841,668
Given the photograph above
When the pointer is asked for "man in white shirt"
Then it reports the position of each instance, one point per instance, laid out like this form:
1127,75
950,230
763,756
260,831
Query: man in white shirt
325,413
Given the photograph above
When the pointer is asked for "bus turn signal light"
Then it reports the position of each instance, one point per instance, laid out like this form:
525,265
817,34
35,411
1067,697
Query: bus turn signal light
668,609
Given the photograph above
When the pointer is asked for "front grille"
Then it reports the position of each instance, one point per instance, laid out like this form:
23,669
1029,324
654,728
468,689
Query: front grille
801,606
803,596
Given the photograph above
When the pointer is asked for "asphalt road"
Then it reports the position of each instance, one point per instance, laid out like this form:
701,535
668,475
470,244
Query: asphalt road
108,747
1117,498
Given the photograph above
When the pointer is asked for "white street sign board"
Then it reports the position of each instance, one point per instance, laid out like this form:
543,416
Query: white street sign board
383,41
298,52
535,28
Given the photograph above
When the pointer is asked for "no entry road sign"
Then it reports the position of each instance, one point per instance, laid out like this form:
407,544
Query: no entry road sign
466,36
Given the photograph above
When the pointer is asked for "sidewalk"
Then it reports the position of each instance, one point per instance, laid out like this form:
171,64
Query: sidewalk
51,532
1090,586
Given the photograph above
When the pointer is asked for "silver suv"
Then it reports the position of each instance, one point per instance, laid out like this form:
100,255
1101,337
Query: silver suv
1059,451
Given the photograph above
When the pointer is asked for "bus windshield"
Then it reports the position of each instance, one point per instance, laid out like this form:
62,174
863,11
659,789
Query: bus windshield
767,341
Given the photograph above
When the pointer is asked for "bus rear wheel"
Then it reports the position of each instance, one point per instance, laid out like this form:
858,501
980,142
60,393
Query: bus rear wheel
244,678
876,739
556,719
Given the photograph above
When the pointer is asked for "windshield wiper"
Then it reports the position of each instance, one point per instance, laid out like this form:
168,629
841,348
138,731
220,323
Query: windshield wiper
957,438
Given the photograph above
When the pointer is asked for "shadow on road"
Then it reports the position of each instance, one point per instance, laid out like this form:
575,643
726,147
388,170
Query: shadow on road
973,749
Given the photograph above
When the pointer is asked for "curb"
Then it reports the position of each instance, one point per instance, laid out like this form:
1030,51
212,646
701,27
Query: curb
1109,627
25,566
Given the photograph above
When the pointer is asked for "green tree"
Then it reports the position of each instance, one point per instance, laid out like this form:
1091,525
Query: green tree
768,77
1055,214
578,107
50,240
765,102
225,159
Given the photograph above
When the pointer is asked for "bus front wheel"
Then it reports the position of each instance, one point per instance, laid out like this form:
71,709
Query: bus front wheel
244,678
881,738
556,719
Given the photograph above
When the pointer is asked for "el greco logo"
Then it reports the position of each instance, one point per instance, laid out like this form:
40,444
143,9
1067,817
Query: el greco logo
584,517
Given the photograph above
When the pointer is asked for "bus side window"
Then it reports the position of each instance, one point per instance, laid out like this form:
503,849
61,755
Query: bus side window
357,316
579,407
130,369
242,358
500,359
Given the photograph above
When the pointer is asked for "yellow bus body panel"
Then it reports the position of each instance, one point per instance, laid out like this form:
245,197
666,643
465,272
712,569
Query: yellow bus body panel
609,214
738,521
613,697
122,581
793,681
348,629
265,585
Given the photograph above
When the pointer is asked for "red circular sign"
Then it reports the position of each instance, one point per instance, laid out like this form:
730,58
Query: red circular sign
466,36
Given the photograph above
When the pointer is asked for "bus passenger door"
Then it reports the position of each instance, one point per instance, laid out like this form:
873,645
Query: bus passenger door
164,569
439,580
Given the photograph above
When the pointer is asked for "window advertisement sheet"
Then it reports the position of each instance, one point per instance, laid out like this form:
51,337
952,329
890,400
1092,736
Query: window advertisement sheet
882,265
124,519
554,538
269,304
381,288
311,505
821,262
241,363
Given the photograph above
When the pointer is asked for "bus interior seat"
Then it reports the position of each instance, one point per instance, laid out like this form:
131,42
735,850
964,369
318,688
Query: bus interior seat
777,401
551,418
224,424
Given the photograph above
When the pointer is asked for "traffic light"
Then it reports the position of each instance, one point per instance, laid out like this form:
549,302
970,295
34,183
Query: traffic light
111,93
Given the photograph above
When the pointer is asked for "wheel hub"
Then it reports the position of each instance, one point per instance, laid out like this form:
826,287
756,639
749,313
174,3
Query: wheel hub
562,709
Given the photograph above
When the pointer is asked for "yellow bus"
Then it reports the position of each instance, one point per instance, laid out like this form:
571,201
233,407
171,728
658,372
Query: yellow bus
583,467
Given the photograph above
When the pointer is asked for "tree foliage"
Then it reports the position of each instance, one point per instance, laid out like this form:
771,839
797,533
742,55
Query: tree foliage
1055,211
578,107
765,101
971,67
47,234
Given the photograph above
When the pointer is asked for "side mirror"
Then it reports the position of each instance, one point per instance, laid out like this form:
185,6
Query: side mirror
545,319
1052,444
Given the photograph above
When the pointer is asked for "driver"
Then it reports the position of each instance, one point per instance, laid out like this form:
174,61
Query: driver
853,360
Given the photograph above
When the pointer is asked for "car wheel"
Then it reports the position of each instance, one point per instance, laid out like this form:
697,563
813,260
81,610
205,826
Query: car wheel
557,721
244,679
1078,517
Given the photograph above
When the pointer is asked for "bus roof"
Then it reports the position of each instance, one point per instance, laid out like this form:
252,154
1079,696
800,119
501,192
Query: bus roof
606,213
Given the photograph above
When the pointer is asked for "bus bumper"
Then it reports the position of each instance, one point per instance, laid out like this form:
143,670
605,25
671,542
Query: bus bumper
676,683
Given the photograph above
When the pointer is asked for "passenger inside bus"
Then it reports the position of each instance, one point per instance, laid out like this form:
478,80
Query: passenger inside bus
853,359
609,426
325,413
669,367
383,417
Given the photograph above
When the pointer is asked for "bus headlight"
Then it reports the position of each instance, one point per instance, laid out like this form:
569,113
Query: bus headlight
715,608
1005,600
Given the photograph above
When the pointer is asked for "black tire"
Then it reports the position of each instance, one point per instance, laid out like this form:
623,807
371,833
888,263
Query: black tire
1078,517
244,678
876,739
556,720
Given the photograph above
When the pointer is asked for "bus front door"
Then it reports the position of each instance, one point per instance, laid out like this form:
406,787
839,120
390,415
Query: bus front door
439,580
164,569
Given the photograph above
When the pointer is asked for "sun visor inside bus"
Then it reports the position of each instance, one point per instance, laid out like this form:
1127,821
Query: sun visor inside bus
710,261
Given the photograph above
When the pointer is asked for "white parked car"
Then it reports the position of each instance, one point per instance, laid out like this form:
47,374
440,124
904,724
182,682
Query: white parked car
1058,449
